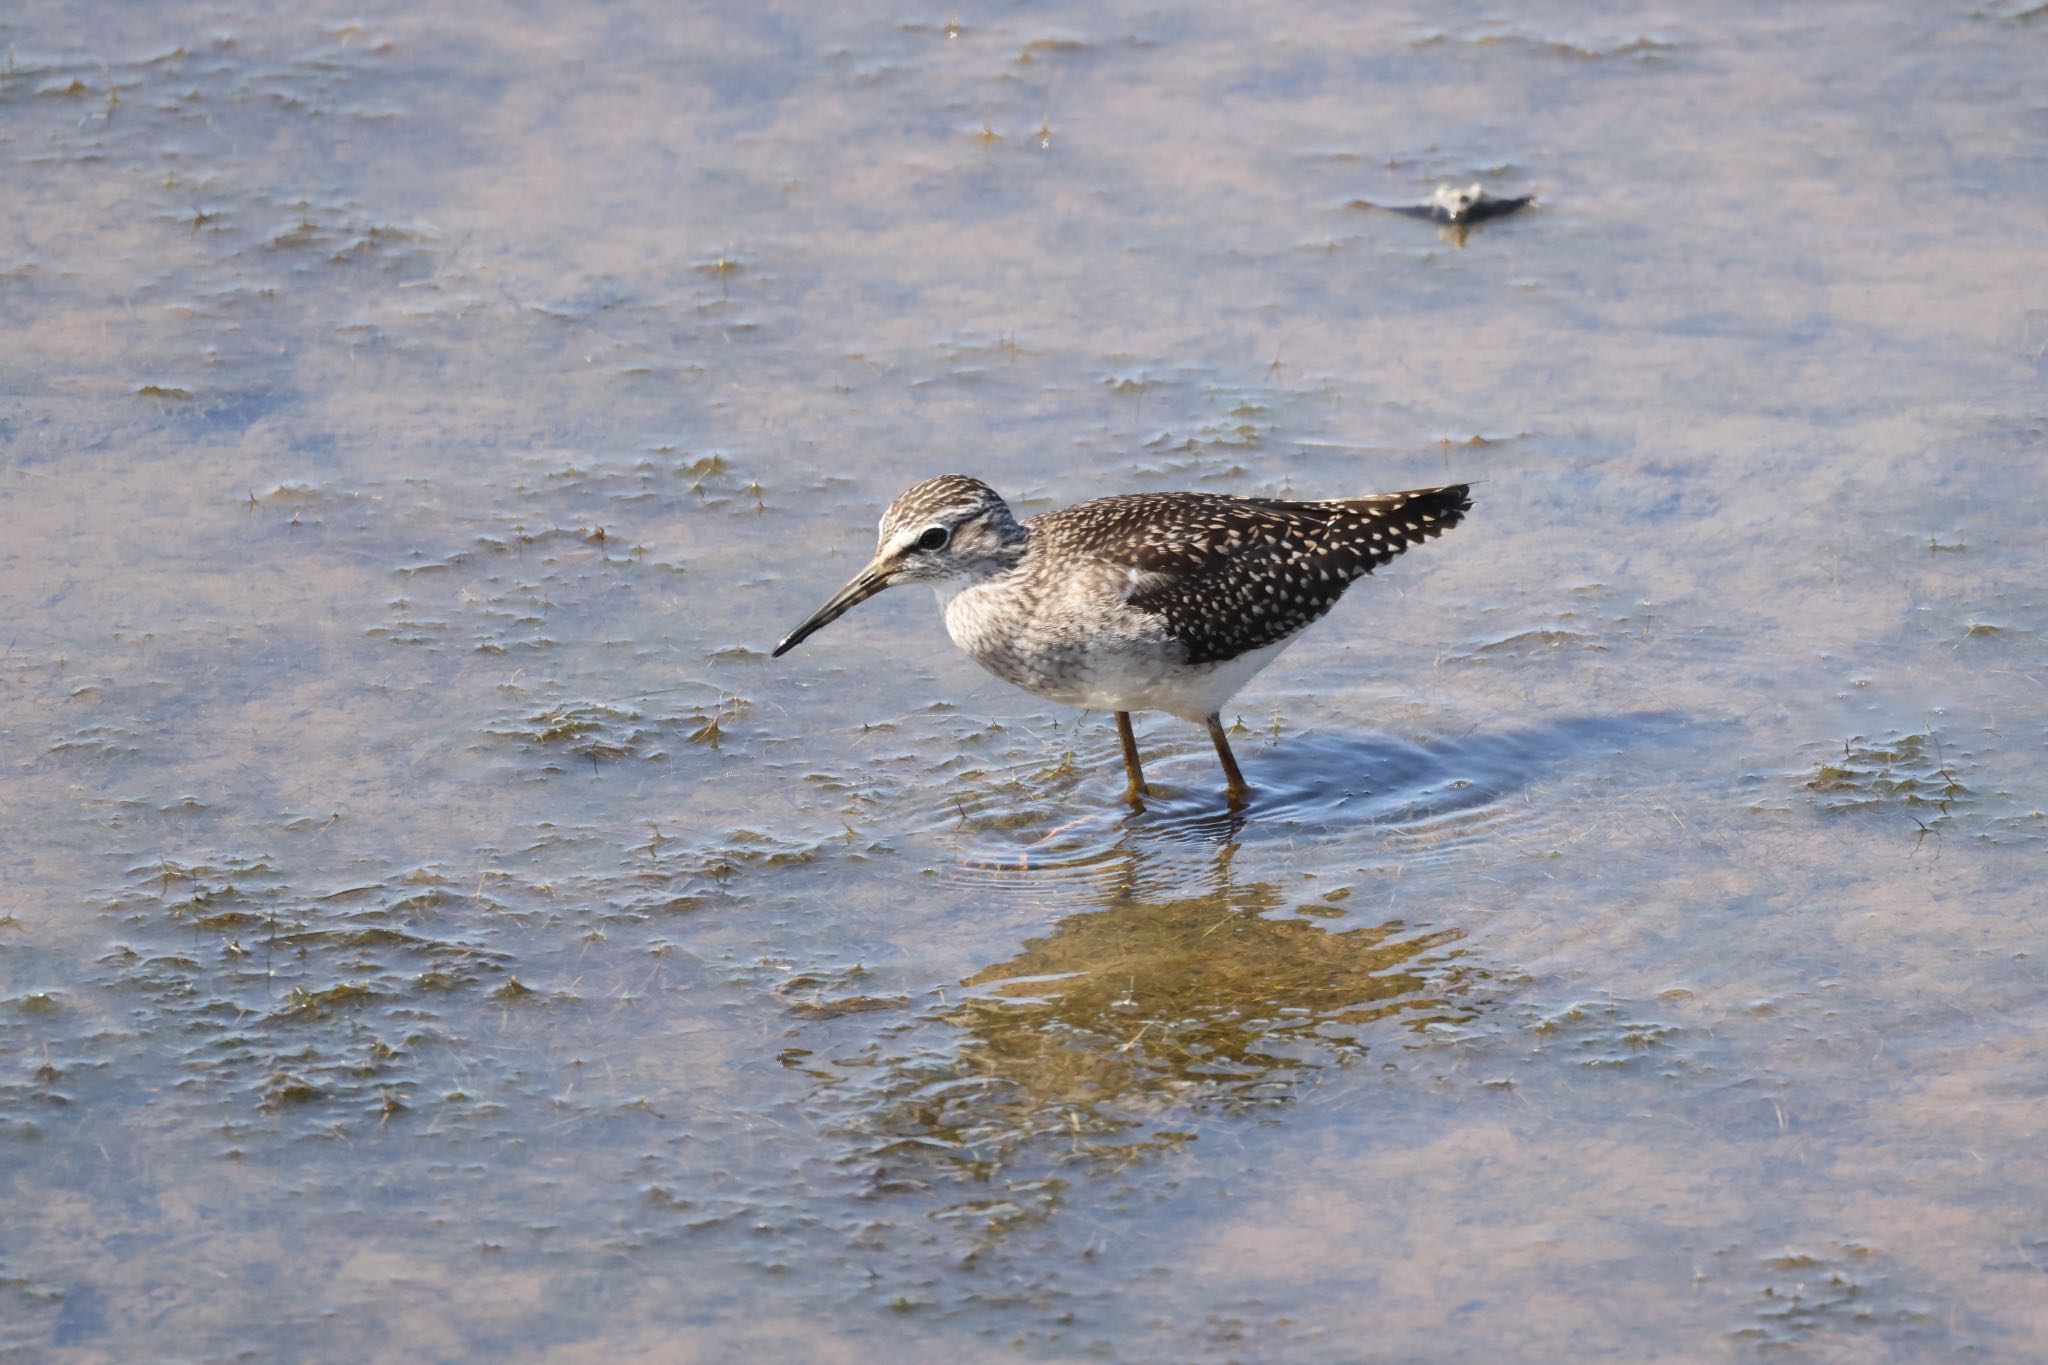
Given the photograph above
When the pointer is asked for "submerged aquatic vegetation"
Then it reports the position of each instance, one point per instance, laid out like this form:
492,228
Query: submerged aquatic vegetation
1842,1291
268,993
1607,1036
597,731
1921,777
1910,771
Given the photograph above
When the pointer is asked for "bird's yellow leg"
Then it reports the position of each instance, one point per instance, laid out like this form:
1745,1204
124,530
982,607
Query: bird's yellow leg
1237,789
1135,791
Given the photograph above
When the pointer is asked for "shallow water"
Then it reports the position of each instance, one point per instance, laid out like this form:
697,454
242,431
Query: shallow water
433,927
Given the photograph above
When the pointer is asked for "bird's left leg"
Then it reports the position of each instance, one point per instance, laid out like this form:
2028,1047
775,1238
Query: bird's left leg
1238,789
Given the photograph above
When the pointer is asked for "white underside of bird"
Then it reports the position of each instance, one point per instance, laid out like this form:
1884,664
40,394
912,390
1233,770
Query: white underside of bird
1127,660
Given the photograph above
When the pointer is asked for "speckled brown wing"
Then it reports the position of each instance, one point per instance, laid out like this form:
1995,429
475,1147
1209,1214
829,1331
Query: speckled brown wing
1231,575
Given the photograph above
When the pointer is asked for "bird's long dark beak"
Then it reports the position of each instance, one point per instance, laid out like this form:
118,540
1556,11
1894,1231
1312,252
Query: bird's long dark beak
865,584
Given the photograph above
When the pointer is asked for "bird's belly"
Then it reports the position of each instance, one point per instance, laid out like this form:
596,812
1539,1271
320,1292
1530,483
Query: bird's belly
1195,691
1123,664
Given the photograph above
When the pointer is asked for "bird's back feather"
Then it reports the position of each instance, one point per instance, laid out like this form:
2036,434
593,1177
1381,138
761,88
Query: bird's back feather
1232,575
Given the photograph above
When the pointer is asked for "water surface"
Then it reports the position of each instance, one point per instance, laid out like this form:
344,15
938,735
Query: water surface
432,927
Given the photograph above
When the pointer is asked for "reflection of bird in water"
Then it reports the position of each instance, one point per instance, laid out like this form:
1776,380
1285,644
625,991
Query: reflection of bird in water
1193,977
1096,1035
1146,602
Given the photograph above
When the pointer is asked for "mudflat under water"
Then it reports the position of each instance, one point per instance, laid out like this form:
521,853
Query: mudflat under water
432,927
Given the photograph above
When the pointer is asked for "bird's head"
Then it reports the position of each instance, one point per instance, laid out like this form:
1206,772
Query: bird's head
949,530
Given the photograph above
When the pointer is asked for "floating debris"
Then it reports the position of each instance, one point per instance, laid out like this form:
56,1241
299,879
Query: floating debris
1455,206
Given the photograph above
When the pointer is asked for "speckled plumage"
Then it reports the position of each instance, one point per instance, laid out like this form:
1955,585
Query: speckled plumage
1230,575
1143,602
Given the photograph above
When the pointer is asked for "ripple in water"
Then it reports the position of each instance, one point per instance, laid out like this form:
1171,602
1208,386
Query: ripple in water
1436,801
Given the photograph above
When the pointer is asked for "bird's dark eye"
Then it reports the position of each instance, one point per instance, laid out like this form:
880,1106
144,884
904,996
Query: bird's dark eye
934,538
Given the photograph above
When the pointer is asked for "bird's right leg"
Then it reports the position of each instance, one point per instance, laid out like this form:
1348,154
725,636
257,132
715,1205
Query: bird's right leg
1135,790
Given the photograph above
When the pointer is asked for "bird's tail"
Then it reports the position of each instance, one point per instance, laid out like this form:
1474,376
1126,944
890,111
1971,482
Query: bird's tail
1388,523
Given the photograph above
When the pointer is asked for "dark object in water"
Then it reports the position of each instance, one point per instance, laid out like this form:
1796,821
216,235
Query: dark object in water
1462,207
